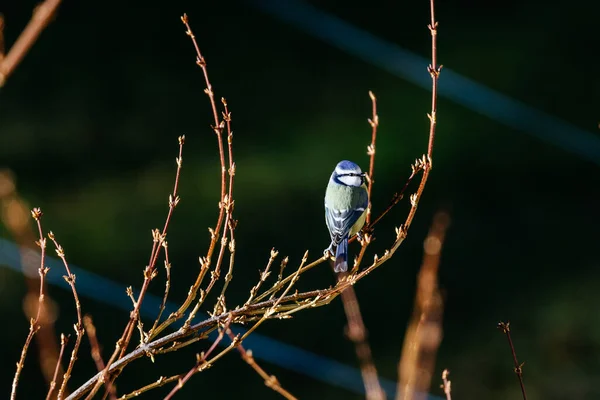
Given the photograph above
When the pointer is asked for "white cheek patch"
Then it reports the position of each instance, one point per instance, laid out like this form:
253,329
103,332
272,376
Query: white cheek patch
351,180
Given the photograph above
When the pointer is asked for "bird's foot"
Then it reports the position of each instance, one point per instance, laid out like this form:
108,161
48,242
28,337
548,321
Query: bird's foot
329,251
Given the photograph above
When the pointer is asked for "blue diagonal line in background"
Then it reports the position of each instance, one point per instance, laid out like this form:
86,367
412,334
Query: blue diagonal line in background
407,65
105,291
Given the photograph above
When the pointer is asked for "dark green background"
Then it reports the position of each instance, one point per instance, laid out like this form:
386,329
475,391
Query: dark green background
89,125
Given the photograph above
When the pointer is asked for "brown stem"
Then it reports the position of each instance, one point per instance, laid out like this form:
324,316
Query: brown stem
15,214
79,332
96,351
505,328
63,343
271,381
200,363
40,19
149,274
34,325
424,331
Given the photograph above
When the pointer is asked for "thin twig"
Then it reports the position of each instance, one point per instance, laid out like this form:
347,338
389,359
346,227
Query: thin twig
424,331
156,384
218,127
374,122
63,343
96,350
34,326
163,304
355,329
79,332
15,215
42,15
149,274
357,333
200,362
271,381
505,328
447,384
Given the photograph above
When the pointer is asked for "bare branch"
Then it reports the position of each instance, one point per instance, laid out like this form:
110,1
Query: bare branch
63,343
40,19
424,332
505,328
79,332
34,325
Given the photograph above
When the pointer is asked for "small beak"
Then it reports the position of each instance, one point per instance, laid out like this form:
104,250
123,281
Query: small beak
366,177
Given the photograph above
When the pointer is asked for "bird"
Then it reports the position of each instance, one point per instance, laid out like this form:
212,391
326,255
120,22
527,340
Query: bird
346,204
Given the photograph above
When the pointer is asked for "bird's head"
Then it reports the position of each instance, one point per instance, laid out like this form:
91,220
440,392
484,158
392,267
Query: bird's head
348,173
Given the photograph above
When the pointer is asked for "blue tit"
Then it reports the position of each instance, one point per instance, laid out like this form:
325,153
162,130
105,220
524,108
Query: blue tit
346,203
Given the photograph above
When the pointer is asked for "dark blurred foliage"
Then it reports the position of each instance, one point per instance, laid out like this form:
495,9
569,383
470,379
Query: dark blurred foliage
89,125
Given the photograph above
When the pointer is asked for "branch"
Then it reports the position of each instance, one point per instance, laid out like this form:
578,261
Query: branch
201,362
40,19
356,330
505,328
447,384
149,274
271,381
424,332
79,332
15,214
34,325
63,343
96,351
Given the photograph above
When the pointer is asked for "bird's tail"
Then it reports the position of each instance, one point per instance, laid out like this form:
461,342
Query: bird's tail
341,256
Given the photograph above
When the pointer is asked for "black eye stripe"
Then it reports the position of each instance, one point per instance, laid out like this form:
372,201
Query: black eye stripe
350,174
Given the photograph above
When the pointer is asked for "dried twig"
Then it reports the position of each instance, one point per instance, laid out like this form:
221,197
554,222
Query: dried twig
447,384
79,332
15,214
40,19
271,381
201,362
205,262
424,332
96,351
149,274
63,343
34,322
356,330
505,328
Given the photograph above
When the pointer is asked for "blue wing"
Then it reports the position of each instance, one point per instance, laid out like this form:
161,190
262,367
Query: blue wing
339,222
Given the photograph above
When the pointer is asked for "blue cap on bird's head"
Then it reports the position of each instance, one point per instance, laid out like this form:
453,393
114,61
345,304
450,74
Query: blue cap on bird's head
348,173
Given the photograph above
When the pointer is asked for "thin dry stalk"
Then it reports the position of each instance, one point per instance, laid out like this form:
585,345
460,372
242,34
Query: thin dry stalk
40,19
505,328
15,215
424,332
201,362
205,261
149,274
356,330
374,122
447,384
63,343
357,333
271,381
158,383
163,304
79,332
34,325
96,351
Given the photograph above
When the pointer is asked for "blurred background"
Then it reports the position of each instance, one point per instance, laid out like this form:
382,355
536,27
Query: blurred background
89,125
